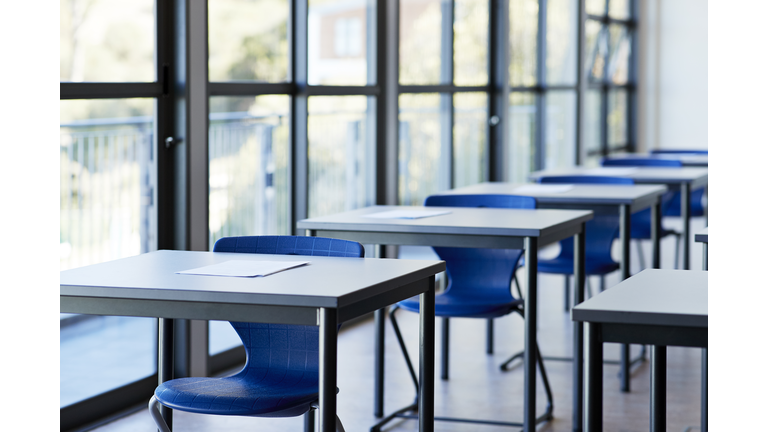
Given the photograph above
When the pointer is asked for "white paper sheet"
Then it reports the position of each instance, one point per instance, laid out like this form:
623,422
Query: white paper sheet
406,214
611,171
543,188
243,268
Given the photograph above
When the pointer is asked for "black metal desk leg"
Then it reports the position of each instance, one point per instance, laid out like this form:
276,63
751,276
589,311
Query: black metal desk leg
704,390
579,276
529,358
685,214
378,354
165,362
656,234
594,411
427,358
625,234
327,379
658,388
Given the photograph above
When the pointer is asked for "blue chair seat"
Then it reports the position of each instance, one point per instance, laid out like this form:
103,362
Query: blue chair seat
466,306
564,265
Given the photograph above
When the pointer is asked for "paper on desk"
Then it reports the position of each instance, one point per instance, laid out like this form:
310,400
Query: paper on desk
243,268
543,188
406,214
609,171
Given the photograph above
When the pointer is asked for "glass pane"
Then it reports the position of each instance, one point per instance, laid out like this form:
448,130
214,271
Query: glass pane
93,356
423,168
561,129
524,26
597,50
596,7
617,117
593,130
248,40
342,160
107,180
619,9
107,40
342,37
106,212
469,138
522,134
562,39
470,42
424,41
618,66
248,166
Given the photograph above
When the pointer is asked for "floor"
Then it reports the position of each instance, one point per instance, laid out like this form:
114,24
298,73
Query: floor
477,388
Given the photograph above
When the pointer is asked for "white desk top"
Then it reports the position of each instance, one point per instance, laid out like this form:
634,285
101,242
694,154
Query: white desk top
578,194
651,297
460,220
695,176
687,159
324,282
702,236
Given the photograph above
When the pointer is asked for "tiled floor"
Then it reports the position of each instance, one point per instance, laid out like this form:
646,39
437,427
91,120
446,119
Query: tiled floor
477,389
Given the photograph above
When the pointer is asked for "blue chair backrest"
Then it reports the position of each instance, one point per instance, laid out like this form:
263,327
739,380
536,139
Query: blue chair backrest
291,350
478,272
680,151
641,162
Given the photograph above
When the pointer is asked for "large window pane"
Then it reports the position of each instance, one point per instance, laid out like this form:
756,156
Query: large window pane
619,9
107,180
524,26
617,117
595,7
593,131
561,129
248,166
106,212
342,37
470,40
341,153
620,47
248,40
106,40
597,50
422,170
562,40
522,134
469,138
424,37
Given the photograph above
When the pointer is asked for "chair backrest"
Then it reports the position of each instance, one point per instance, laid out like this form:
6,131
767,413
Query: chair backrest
641,162
478,272
291,351
602,229
576,179
680,151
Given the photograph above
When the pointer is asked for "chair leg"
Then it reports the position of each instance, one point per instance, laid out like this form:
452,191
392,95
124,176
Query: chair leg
400,341
309,420
517,285
640,254
489,336
677,249
154,411
339,426
567,293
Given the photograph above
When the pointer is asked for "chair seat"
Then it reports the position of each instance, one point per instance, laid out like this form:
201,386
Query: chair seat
466,306
235,395
565,266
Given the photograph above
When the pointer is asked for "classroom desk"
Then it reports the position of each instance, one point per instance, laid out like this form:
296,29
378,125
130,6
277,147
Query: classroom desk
480,228
687,159
703,238
657,307
685,179
613,199
147,285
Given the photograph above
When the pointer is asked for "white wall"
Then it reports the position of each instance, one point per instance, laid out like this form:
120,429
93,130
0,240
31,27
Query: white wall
672,74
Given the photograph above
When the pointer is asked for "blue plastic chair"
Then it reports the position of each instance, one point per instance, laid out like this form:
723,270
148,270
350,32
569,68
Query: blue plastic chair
479,282
280,376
